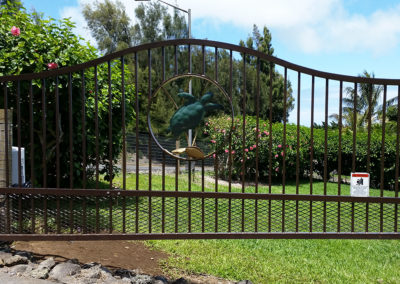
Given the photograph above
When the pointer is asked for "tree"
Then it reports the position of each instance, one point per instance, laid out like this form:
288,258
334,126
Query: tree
109,25
366,92
263,44
40,45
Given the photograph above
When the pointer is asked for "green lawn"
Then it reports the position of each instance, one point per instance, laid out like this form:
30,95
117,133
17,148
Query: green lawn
277,261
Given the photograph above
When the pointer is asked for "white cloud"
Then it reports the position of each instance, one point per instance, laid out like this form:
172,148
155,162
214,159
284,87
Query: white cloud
313,26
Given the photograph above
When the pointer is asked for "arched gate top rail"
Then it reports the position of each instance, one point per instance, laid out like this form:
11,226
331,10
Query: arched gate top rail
208,43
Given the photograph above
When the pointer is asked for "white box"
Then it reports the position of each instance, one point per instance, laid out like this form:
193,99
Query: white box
14,173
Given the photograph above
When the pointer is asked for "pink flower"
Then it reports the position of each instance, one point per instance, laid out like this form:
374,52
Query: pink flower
266,132
226,151
276,156
15,31
223,131
279,146
205,132
213,141
214,156
233,152
282,154
251,148
52,65
254,146
259,135
265,125
206,123
246,150
277,169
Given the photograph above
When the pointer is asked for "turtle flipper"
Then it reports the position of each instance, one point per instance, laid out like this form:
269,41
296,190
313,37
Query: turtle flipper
211,106
206,98
189,98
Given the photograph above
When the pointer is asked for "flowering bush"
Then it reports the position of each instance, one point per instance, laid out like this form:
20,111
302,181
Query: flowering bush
30,44
244,151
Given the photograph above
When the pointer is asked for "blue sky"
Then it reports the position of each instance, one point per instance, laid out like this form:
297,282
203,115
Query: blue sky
337,36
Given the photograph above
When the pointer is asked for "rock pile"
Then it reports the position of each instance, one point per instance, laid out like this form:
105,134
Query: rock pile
22,264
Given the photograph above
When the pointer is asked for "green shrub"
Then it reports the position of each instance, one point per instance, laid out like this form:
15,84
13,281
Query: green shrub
218,130
39,43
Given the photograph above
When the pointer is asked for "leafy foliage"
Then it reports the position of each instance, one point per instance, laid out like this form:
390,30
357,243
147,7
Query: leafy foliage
48,41
243,151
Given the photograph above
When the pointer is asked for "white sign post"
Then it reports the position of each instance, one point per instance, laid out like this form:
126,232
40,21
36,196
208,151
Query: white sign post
359,184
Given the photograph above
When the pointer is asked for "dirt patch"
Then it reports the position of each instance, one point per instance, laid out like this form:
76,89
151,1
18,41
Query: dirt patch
112,254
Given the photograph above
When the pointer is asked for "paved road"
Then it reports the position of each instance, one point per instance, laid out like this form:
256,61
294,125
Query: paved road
8,279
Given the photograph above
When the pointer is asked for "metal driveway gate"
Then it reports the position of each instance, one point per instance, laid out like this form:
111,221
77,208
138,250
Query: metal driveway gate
72,124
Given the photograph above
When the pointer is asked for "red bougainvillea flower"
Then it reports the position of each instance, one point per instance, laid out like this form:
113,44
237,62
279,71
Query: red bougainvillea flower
15,31
226,151
52,65
279,146
233,152
246,150
276,155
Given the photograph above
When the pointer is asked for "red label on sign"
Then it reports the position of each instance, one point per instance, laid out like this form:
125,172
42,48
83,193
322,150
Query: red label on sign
360,175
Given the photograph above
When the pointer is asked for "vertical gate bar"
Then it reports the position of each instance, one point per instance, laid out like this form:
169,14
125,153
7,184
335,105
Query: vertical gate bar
137,214
338,216
176,189
189,199
298,148
58,174
71,215
369,117
298,136
110,215
244,136
312,149
96,123
137,122
123,143
230,132
270,135
19,154
352,216
353,163
366,216
44,164
340,143
203,53
58,125
230,142
149,135
31,150
312,135
189,59
382,180
110,158
284,149
84,215
284,137
58,216
326,149
83,102
216,154
71,155
216,63
163,153
97,216
202,199
163,189
19,136
6,151
258,134
396,184
326,138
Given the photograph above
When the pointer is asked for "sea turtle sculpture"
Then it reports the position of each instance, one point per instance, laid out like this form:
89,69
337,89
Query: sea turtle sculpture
188,117
191,113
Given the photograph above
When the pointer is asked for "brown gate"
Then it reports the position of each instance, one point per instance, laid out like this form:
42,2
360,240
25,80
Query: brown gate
101,166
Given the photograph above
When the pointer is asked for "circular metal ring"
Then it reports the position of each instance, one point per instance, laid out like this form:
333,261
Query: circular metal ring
176,77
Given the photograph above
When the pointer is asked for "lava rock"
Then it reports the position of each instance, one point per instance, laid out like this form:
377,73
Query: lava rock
43,269
65,269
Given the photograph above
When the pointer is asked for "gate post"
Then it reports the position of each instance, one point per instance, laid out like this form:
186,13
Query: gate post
4,162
